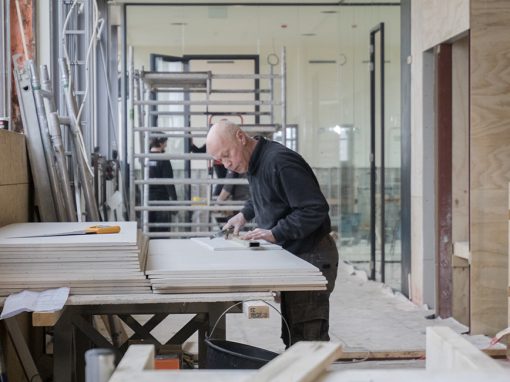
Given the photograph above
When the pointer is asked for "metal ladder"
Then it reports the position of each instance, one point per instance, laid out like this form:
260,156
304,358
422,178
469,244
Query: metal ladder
141,107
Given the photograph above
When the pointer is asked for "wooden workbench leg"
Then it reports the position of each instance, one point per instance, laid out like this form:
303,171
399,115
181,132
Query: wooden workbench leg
22,350
203,330
63,349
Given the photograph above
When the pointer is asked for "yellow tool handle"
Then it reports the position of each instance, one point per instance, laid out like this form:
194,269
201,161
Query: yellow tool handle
99,229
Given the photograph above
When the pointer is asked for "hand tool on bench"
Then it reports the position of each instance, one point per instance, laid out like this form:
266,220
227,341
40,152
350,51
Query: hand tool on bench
95,229
225,233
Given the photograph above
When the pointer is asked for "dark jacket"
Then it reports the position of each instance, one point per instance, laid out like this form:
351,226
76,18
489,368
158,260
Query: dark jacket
238,191
286,197
161,169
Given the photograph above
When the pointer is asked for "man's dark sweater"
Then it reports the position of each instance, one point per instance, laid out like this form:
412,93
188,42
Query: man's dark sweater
286,197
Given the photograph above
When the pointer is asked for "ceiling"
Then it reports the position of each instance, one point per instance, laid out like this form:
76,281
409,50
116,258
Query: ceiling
241,25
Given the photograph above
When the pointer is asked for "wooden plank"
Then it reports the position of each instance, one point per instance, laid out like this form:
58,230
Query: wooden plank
347,355
137,358
302,362
245,243
45,318
489,163
403,354
447,350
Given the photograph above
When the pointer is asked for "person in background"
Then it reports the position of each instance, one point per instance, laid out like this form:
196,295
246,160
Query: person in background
234,191
163,192
290,210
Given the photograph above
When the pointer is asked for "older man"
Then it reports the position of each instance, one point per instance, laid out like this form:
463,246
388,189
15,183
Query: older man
290,210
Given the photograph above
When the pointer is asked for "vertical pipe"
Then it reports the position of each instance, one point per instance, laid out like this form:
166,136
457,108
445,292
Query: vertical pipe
257,93
83,169
284,96
123,149
58,147
47,146
4,100
383,191
131,139
145,167
8,64
271,92
22,32
372,156
187,117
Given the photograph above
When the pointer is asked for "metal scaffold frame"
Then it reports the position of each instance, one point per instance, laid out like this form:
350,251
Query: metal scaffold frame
142,107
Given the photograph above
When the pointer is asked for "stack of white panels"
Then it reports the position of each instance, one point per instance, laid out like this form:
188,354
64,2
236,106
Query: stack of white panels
88,264
188,266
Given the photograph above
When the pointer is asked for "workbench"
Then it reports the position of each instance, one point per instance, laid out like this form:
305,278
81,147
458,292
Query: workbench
74,332
209,282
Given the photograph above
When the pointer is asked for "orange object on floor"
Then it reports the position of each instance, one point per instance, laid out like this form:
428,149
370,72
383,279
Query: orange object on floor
167,363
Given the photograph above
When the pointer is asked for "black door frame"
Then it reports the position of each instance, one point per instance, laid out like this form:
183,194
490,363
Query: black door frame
373,151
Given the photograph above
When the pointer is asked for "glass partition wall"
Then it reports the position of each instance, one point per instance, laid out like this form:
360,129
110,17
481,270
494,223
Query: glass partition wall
328,97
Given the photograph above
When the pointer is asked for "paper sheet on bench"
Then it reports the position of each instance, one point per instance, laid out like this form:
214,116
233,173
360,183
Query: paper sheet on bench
48,301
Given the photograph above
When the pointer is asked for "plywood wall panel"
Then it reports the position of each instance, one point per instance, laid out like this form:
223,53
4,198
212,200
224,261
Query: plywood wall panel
489,158
489,163
442,20
13,158
432,22
14,202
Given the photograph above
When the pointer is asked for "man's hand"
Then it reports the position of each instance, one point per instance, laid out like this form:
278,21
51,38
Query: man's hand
259,234
237,222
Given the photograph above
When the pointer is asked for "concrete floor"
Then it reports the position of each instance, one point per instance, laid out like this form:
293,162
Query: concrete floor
364,316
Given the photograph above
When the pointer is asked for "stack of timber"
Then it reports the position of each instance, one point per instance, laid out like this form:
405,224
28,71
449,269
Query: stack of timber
188,266
88,264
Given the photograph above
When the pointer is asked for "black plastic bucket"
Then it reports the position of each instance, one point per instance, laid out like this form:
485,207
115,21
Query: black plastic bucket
223,354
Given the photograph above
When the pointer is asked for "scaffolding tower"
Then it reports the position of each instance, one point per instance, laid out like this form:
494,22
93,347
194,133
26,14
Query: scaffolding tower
200,100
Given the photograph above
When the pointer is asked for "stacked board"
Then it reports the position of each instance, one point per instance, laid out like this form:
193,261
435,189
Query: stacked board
88,264
189,266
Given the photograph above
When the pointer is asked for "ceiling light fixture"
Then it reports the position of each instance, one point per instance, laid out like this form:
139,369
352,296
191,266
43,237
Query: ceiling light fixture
178,24
308,34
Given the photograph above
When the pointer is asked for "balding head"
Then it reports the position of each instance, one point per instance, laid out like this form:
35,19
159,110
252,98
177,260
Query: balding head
227,143
223,131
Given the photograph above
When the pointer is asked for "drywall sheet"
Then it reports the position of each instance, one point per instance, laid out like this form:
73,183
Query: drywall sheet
95,263
187,255
188,266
